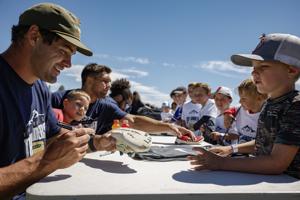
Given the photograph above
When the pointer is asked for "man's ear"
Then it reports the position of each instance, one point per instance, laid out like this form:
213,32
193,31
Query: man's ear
33,35
118,98
89,80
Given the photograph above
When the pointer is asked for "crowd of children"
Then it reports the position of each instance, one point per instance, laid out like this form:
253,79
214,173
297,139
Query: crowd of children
211,115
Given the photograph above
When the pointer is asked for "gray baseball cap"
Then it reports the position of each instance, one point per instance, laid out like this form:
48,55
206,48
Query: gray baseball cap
280,47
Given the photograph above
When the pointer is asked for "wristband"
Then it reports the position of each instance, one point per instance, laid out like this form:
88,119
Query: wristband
234,148
91,144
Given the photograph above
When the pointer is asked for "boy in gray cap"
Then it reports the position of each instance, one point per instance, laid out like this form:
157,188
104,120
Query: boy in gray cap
276,68
43,43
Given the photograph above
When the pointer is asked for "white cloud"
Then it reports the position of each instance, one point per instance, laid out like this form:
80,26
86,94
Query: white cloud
104,56
132,72
132,59
165,64
117,75
149,94
74,71
142,61
223,68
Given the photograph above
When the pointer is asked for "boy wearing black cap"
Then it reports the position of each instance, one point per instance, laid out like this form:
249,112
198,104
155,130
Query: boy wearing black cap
179,96
276,68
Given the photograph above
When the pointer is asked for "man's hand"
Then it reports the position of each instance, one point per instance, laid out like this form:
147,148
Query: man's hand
67,149
205,160
105,142
179,130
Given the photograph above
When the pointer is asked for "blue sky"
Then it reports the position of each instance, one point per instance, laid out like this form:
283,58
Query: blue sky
161,44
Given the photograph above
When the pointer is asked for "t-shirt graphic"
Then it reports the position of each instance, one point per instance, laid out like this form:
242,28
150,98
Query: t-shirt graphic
35,134
245,125
190,114
248,134
87,122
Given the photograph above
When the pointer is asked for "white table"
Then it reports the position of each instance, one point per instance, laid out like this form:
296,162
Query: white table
120,177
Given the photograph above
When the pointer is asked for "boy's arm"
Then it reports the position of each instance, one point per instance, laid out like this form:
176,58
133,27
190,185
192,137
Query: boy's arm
232,132
245,148
201,121
231,136
275,163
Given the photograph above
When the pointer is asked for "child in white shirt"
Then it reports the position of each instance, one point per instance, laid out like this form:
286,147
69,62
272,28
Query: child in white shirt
209,111
166,114
223,99
190,110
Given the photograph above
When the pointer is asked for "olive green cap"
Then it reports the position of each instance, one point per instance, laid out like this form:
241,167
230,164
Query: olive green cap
56,19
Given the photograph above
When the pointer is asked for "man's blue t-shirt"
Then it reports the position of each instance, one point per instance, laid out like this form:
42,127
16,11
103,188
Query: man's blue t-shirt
26,117
100,115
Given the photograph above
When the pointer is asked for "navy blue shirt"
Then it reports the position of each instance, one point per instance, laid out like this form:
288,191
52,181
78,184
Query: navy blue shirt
26,117
100,115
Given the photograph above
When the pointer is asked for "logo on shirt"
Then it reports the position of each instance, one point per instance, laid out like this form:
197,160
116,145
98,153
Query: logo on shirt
35,134
88,122
248,131
193,112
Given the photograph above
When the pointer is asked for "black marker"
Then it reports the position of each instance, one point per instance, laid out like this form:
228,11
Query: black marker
65,126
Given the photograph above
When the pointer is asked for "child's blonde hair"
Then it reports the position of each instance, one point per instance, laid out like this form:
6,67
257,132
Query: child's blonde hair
193,84
248,86
74,94
204,86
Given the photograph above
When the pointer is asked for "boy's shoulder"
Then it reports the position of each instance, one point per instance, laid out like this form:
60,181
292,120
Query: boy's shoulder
187,103
294,107
296,97
190,104
293,102
210,104
285,106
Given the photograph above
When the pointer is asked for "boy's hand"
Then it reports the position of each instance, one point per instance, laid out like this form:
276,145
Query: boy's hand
221,151
215,136
205,160
202,129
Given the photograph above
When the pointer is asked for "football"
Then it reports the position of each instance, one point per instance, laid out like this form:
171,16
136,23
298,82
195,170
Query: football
130,140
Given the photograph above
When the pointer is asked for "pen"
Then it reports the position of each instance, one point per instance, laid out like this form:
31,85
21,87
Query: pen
65,126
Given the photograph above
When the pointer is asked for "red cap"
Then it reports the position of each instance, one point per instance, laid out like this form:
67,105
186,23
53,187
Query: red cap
231,111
